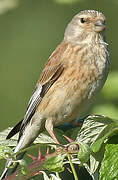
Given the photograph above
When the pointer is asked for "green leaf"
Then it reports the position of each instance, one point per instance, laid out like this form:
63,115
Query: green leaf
5,152
84,152
96,129
55,163
109,166
94,163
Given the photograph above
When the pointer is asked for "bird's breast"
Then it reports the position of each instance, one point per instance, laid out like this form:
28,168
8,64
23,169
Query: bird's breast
72,93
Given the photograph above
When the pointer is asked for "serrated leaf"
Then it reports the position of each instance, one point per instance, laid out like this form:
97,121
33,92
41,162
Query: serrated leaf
109,166
55,163
96,129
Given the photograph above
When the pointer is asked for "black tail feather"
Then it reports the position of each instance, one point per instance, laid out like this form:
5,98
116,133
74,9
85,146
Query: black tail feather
15,130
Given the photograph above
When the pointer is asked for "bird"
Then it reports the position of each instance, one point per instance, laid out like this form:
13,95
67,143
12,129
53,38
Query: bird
72,76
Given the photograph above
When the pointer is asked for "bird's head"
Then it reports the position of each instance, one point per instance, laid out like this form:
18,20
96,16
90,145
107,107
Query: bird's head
85,23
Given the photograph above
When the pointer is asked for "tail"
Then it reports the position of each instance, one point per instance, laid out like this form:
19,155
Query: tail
8,171
30,133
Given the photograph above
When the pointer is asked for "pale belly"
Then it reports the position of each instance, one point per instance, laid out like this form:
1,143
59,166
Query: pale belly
66,104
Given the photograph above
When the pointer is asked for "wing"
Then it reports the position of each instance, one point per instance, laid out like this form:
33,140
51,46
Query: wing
51,72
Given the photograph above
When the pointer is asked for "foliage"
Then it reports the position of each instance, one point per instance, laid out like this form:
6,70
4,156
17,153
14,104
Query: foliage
93,148
109,166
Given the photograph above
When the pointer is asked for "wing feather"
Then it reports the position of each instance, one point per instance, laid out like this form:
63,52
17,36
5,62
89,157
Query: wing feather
52,71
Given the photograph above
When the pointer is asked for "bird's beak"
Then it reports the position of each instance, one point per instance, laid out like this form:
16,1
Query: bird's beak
99,26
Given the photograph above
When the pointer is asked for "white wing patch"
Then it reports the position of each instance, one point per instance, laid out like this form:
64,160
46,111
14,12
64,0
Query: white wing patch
33,103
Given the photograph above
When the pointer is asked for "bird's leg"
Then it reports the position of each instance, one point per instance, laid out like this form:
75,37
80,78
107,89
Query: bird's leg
69,139
49,128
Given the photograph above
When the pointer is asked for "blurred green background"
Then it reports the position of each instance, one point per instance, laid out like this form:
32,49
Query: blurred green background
29,31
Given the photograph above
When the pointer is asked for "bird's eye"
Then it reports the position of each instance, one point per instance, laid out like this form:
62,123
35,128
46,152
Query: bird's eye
82,20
